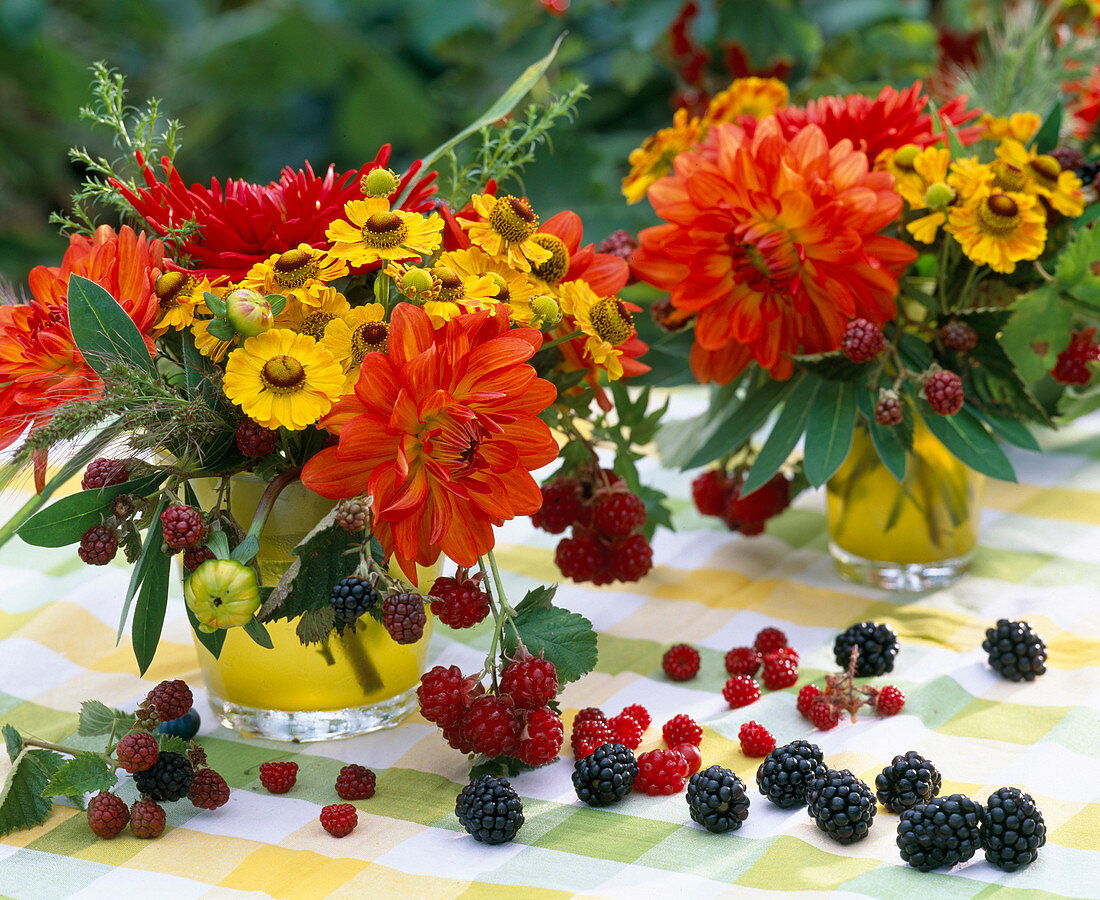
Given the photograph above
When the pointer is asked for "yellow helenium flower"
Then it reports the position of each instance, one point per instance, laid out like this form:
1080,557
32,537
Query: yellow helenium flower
605,323
654,158
222,593
178,296
299,273
506,229
283,379
312,319
756,97
1019,126
928,170
371,235
999,229
509,286
1043,175
970,178
362,330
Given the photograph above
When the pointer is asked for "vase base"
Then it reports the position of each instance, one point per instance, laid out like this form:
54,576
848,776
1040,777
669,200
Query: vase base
301,726
894,576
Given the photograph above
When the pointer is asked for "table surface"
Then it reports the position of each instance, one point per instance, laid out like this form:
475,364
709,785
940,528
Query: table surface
1037,561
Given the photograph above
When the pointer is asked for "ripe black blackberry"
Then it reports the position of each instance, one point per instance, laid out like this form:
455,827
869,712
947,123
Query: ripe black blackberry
907,781
350,598
490,809
945,831
842,805
606,775
169,778
878,645
787,771
1012,830
716,799
1015,651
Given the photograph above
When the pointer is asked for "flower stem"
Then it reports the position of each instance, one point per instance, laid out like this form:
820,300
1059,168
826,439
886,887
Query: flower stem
270,495
561,340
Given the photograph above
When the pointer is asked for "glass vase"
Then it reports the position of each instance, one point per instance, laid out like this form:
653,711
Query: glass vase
351,683
913,536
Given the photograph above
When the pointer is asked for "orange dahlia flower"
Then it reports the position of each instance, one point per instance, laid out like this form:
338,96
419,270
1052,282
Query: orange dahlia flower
442,434
774,244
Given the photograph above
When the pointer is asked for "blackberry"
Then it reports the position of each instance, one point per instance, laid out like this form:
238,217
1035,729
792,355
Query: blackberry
878,645
606,775
907,781
842,805
490,809
169,778
787,772
945,831
717,800
1015,651
1012,829
350,598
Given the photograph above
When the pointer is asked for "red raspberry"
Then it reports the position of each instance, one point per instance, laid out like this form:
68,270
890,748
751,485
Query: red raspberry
889,701
741,690
589,735
691,753
107,815
787,653
404,618
888,410
626,730
171,699
98,545
944,392
193,557
1072,364
253,440
454,736
530,682
137,751
617,513
755,739
183,527
278,777
541,738
861,341
780,671
619,243
588,714
661,771
103,472
806,697
681,662
631,558
639,714
768,640
444,695
561,505
339,819
824,715
355,783
146,819
459,602
710,491
743,661
579,558
208,790
682,729
490,726
748,514
958,336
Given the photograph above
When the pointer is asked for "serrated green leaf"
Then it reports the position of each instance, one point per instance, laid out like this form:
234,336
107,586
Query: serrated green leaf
967,439
784,435
152,604
315,625
502,767
13,741
258,633
85,773
102,330
65,521
1073,272
565,638
1038,331
829,430
246,550
97,718
171,743
21,802
537,598
149,550
320,560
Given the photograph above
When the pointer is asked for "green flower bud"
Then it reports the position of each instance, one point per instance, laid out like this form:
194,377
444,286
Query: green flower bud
379,182
546,308
222,593
939,195
248,312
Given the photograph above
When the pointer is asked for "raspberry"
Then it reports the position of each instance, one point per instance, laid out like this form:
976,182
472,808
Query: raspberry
748,514
169,778
682,729
453,735
741,690
459,602
278,777
743,661
351,515
618,513
1069,158
98,545
404,618
193,557
355,783
208,790
589,735
806,697
661,772
183,527
542,737
490,726
691,753
824,715
103,472
561,505
861,341
681,662
889,701
107,815
1072,364
171,699
619,243
146,819
944,392
625,730
339,819
755,739
888,410
779,671
253,440
137,751
769,640
578,558
444,695
958,336
531,682
631,558
588,714
351,597
786,653
710,491
639,714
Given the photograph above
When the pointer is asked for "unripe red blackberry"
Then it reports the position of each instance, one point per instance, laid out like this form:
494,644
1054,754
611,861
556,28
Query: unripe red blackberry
98,545
944,392
351,515
888,410
617,513
578,558
103,472
404,618
193,557
862,340
561,505
183,526
958,336
1072,364
253,440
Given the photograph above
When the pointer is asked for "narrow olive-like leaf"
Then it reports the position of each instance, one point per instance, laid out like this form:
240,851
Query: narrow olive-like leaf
829,430
1011,430
211,640
149,549
255,630
218,544
199,373
1046,139
784,435
246,549
65,521
891,442
277,301
221,329
967,439
152,603
103,332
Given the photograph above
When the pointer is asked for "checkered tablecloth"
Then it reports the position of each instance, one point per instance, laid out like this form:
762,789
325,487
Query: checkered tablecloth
1038,561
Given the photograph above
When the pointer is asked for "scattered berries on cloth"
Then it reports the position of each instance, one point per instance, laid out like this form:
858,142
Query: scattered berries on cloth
639,714
943,832
889,701
755,739
717,800
741,690
768,640
1012,829
208,790
842,805
682,729
786,773
681,662
660,772
823,715
692,754
339,819
588,735
878,647
625,730
541,738
606,775
743,661
910,779
780,671
355,783
806,696
278,777
1015,651
169,778
490,809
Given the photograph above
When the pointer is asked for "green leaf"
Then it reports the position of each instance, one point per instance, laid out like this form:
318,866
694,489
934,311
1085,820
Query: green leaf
315,625
85,773
218,544
65,521
13,741
246,550
1011,430
829,430
215,304
502,767
21,802
1038,331
211,640
538,598
103,331
150,548
171,743
277,301
200,374
1073,272
1046,139
152,603
221,329
891,442
784,435
320,561
255,630
967,438
565,638
832,366
99,718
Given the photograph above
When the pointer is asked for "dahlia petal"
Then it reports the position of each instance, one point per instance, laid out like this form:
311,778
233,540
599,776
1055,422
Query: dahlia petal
567,226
